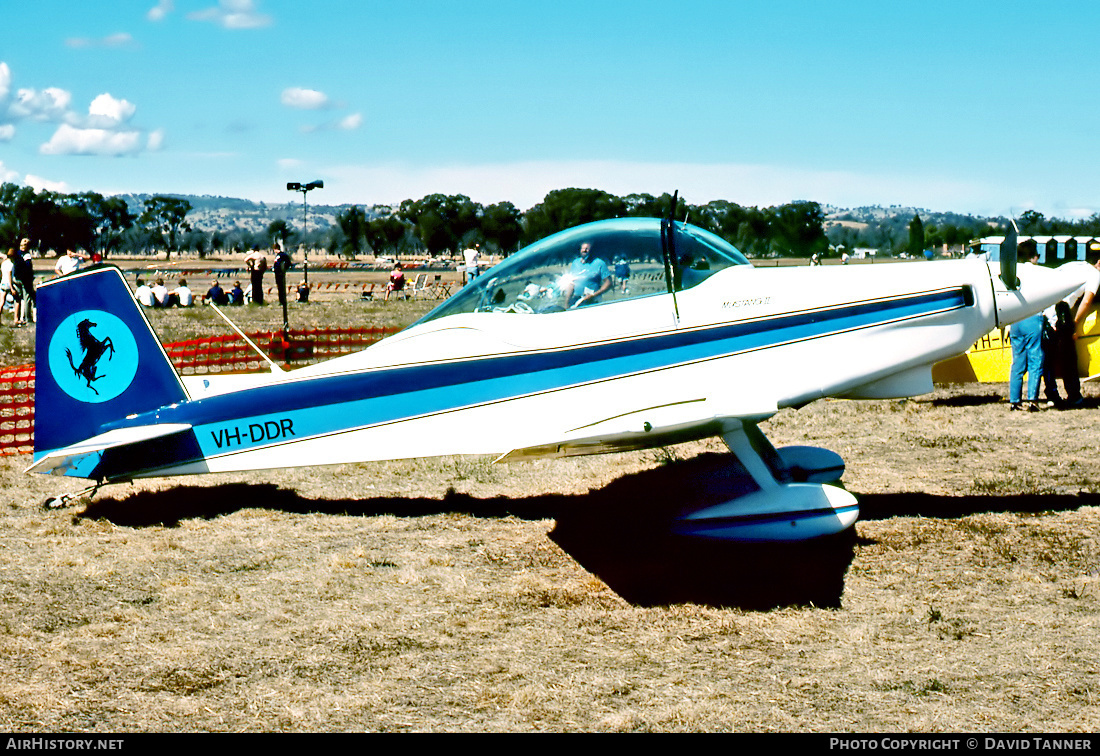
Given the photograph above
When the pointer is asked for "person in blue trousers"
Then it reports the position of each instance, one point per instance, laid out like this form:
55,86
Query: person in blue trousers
1027,348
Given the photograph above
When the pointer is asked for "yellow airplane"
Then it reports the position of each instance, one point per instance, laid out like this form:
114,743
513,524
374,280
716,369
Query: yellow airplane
990,359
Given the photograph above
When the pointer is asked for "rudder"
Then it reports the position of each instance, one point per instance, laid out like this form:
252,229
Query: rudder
97,359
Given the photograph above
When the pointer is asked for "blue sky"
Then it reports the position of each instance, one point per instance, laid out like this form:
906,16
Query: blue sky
978,107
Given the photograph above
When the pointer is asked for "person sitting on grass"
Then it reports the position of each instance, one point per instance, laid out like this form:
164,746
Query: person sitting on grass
215,294
144,295
236,294
181,296
160,293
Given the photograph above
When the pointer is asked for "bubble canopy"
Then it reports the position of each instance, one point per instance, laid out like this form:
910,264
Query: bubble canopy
626,258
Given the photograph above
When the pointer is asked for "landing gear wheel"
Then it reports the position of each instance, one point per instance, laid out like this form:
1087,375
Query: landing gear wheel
57,502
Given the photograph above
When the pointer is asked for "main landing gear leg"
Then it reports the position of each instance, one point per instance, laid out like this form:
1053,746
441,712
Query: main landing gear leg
57,502
784,493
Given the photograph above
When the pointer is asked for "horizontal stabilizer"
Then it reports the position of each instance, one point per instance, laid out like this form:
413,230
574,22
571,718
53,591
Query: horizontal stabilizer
63,461
659,425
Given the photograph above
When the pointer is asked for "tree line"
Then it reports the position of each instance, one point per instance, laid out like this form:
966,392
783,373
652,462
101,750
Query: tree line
1033,223
88,221
439,224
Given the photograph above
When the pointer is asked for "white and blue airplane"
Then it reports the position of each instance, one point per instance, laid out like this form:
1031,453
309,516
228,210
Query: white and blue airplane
543,356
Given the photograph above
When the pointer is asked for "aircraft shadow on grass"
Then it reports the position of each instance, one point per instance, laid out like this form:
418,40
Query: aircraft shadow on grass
884,506
620,533
978,400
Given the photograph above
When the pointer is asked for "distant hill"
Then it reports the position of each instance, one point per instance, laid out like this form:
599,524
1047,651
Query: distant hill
229,213
872,214
212,213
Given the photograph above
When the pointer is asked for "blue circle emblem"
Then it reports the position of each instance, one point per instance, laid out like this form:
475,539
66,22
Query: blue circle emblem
93,356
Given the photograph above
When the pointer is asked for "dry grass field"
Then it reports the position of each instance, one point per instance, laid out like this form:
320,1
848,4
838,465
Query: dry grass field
455,595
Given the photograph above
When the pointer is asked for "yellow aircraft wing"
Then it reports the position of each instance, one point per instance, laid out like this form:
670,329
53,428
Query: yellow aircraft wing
990,359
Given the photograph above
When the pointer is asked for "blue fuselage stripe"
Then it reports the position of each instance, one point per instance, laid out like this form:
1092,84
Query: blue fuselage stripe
333,403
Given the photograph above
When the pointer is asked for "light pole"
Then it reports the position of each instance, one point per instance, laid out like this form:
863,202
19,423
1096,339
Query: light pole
294,186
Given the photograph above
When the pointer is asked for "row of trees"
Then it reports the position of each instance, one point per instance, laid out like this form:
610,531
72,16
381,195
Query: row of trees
88,221
1034,223
892,236
439,223
436,224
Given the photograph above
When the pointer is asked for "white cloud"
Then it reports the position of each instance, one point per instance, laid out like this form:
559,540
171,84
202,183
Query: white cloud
288,163
121,39
233,14
162,9
348,123
6,174
107,112
69,140
351,122
102,131
50,104
304,99
40,184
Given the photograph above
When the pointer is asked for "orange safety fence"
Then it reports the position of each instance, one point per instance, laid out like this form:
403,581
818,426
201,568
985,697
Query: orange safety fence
209,355
17,410
229,354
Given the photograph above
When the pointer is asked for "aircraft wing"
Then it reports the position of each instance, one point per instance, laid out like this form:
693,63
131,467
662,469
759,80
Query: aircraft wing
647,427
58,461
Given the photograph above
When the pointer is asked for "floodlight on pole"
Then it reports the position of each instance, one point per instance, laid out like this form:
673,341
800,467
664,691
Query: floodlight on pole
295,186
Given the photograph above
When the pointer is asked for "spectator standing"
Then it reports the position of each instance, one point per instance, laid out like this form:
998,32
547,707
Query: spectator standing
1069,314
69,262
622,274
1027,347
256,262
471,256
279,267
9,290
24,274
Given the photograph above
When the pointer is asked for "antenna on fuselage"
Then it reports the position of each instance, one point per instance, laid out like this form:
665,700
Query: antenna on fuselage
274,367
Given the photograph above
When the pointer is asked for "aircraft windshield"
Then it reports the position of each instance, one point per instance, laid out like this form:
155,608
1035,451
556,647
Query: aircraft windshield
597,263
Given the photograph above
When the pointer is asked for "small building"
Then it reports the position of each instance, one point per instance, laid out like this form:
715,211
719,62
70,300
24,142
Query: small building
1053,250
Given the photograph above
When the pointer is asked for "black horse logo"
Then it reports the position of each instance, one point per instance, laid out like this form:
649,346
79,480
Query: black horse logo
93,352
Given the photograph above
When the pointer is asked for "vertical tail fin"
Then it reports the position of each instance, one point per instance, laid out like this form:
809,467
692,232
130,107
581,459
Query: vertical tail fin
97,359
